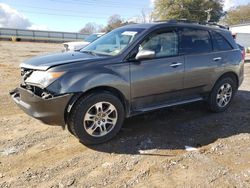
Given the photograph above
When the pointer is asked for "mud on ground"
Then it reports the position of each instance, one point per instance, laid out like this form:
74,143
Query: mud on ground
148,152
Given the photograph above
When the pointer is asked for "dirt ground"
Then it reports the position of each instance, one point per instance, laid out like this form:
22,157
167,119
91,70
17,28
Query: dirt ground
148,152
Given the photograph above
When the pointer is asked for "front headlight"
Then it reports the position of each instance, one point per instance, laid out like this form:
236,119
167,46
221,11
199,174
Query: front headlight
43,78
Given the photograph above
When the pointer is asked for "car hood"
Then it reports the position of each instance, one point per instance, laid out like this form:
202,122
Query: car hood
51,60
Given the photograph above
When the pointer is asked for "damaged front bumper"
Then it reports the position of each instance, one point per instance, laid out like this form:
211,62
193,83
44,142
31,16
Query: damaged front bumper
50,111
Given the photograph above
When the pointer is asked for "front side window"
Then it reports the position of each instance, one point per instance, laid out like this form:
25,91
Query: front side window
164,44
114,42
195,41
220,43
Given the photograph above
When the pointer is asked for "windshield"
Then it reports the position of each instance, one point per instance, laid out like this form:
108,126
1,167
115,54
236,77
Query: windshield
91,38
114,42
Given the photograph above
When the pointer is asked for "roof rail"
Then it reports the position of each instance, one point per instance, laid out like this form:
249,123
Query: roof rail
214,24
194,22
175,21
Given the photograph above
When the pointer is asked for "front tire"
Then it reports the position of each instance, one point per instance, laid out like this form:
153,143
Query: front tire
222,94
96,118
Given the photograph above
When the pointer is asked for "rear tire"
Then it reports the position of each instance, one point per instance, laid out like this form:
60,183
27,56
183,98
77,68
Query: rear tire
222,94
96,118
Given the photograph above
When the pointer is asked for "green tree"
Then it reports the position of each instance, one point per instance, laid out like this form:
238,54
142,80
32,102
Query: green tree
197,10
238,15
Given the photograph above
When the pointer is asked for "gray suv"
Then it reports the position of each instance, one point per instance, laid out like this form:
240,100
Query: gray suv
129,71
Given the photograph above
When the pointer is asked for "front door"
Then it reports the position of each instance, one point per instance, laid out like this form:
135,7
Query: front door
158,80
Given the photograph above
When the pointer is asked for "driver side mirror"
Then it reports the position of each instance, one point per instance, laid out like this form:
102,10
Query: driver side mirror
145,54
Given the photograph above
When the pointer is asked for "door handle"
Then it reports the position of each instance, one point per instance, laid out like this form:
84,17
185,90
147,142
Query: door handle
174,65
217,58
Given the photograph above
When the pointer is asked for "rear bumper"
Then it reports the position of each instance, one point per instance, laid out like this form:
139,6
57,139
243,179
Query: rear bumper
241,80
49,111
241,75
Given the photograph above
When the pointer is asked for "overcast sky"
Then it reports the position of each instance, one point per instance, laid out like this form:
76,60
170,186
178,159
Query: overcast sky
72,15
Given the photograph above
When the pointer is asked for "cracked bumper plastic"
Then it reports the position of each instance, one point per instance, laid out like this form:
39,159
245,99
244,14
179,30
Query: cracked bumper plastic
49,111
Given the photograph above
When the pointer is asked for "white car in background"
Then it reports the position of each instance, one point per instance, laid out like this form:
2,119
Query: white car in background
75,46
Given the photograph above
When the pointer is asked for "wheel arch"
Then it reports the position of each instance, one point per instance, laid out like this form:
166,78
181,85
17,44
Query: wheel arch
230,74
93,90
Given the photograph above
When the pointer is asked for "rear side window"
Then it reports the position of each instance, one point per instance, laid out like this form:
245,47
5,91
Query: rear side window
220,43
195,41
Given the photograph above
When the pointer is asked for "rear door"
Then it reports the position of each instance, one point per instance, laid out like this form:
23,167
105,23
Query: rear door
200,66
223,51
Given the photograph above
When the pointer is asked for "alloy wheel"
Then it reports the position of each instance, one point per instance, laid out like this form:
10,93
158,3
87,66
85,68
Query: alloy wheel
224,95
100,119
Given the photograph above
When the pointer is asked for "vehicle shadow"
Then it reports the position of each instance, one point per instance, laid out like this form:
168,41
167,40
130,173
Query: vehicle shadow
177,127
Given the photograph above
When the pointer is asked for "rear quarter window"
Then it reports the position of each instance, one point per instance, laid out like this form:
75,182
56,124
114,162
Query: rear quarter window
220,43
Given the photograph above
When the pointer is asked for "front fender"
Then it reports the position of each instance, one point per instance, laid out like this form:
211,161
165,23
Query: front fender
82,81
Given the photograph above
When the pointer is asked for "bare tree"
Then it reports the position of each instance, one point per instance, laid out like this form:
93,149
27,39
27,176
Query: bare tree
144,17
114,21
91,28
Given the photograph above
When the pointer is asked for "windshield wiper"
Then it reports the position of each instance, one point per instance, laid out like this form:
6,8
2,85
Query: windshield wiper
90,52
